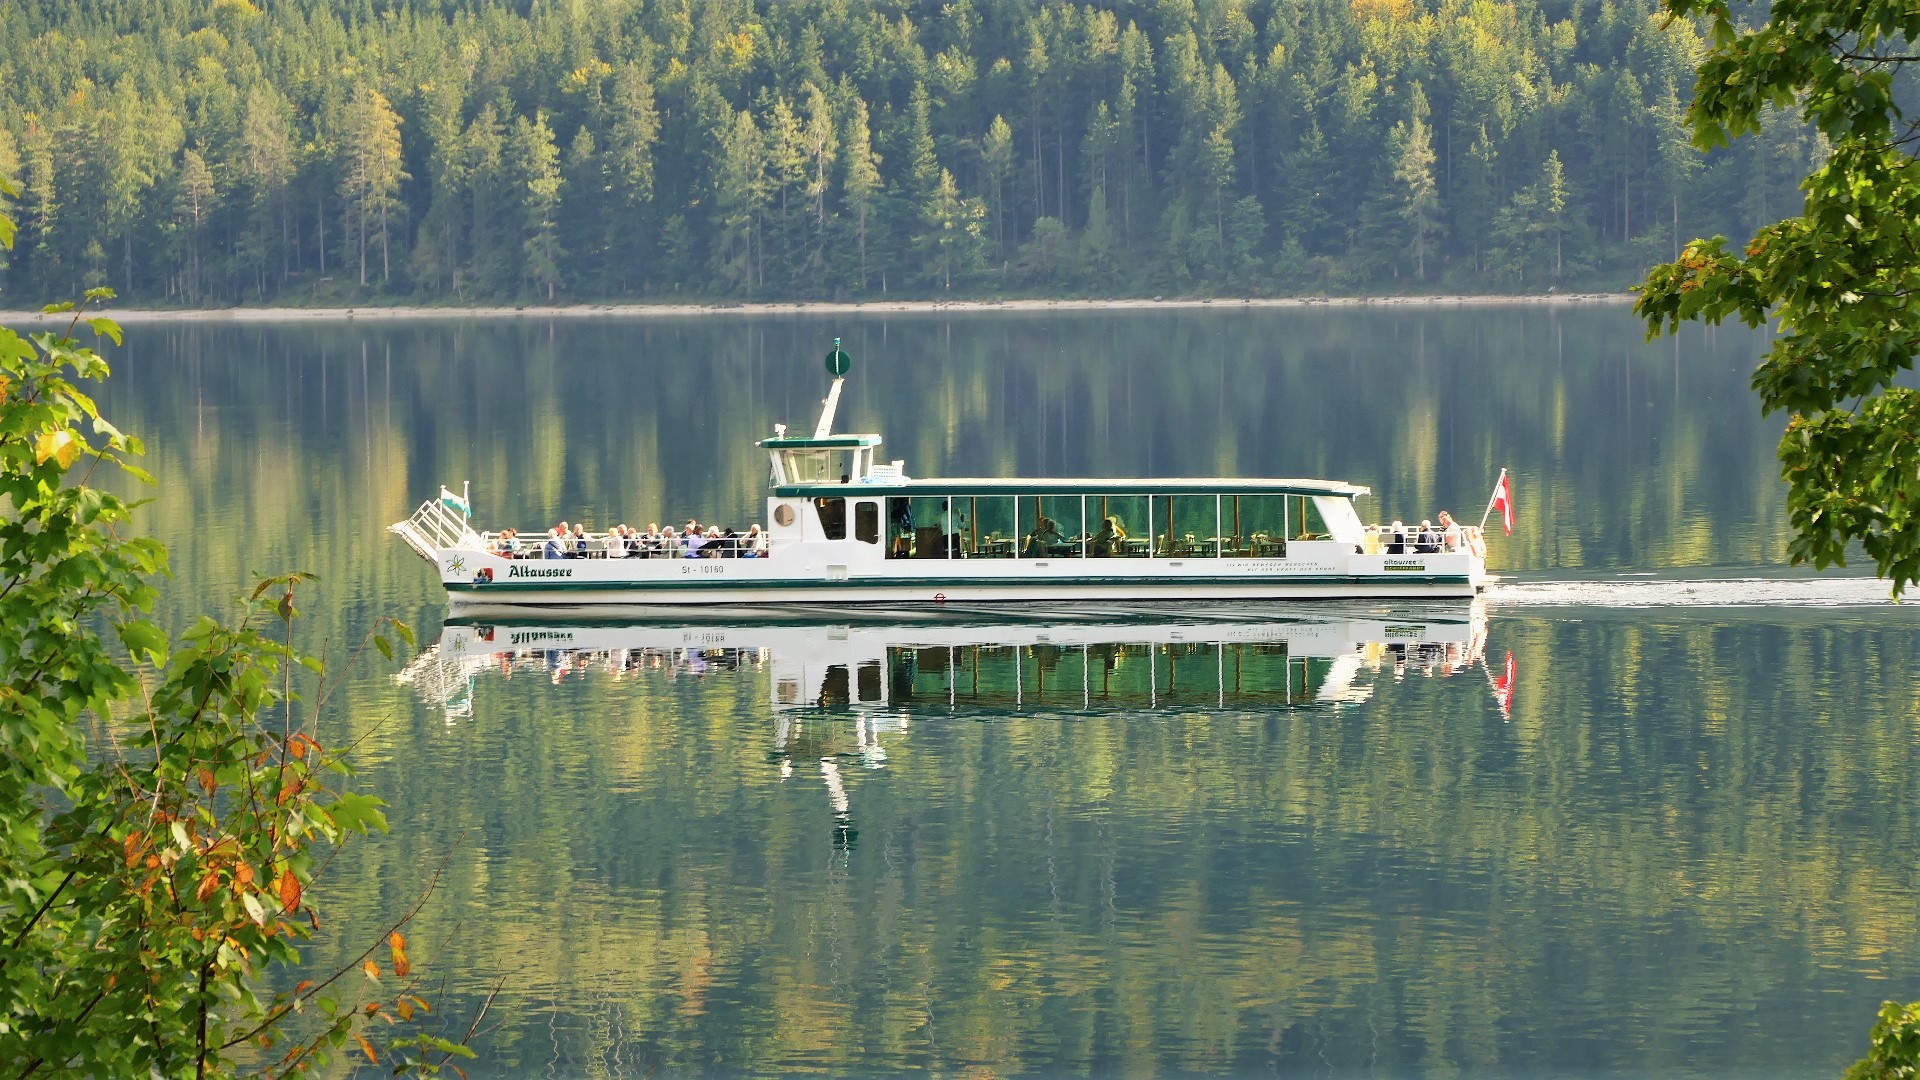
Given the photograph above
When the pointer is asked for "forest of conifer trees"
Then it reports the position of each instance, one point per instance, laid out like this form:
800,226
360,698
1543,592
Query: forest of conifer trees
191,152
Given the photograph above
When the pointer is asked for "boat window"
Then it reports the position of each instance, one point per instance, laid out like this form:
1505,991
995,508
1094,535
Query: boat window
1185,526
1306,520
899,528
866,522
1254,526
987,526
833,517
1122,526
1051,527
929,525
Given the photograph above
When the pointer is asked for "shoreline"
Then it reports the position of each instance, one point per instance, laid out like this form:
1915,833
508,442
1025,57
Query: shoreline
896,307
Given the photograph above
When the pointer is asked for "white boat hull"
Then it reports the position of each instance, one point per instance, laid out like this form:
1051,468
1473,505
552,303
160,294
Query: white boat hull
1314,571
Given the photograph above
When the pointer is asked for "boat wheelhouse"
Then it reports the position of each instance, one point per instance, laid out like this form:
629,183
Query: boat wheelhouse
846,526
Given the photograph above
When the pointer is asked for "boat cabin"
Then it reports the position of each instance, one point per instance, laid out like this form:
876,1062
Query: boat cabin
829,489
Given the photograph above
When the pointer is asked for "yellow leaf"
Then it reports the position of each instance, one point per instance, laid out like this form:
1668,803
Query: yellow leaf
367,1047
372,969
404,1009
58,445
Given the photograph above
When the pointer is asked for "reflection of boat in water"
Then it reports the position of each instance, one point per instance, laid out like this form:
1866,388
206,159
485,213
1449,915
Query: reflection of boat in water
882,675
981,666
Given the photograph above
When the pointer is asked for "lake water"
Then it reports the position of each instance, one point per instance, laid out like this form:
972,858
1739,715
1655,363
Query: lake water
1117,840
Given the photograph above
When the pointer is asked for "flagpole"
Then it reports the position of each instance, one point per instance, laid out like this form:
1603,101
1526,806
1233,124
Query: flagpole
1491,499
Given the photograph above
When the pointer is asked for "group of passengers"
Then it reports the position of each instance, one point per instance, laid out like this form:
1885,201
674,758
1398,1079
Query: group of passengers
1425,538
693,541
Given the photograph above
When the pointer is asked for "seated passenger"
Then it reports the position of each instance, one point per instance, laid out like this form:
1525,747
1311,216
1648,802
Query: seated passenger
579,542
1043,539
729,544
670,543
694,540
1427,541
553,544
1450,536
753,544
1105,544
1396,539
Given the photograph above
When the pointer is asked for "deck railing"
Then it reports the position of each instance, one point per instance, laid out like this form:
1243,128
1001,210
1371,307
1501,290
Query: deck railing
434,527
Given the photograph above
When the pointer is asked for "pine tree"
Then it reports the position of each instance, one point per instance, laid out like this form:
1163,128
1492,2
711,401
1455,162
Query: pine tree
1413,178
996,156
953,232
193,201
737,186
42,201
631,135
1551,196
482,150
371,179
535,163
923,167
266,167
862,185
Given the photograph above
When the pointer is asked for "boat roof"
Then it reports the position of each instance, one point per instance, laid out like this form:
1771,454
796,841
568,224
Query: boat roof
1188,485
824,442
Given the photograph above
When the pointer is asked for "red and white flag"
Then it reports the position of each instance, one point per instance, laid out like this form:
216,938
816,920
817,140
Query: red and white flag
1503,501
1503,687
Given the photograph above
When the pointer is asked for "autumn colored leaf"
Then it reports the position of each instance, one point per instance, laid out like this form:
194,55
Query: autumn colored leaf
367,1047
208,884
206,779
289,892
301,987
404,1009
372,969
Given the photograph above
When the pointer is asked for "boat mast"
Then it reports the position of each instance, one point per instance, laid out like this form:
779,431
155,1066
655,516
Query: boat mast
837,365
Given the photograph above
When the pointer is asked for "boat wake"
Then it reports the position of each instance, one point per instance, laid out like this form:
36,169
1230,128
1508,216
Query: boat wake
1748,592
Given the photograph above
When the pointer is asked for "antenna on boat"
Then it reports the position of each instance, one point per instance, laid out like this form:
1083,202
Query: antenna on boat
838,364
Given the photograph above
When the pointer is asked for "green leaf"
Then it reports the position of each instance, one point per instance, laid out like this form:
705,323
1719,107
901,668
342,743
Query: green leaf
141,636
353,812
105,327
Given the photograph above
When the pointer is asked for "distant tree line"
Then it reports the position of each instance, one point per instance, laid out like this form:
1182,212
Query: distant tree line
464,150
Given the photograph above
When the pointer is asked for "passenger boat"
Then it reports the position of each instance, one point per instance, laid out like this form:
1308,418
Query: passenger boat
846,527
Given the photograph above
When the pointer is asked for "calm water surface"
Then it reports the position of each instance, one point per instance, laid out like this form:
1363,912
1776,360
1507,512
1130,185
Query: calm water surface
1212,841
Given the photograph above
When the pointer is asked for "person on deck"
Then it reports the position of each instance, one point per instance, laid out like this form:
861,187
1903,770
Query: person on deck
579,541
695,541
1450,535
753,544
553,543
1427,541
